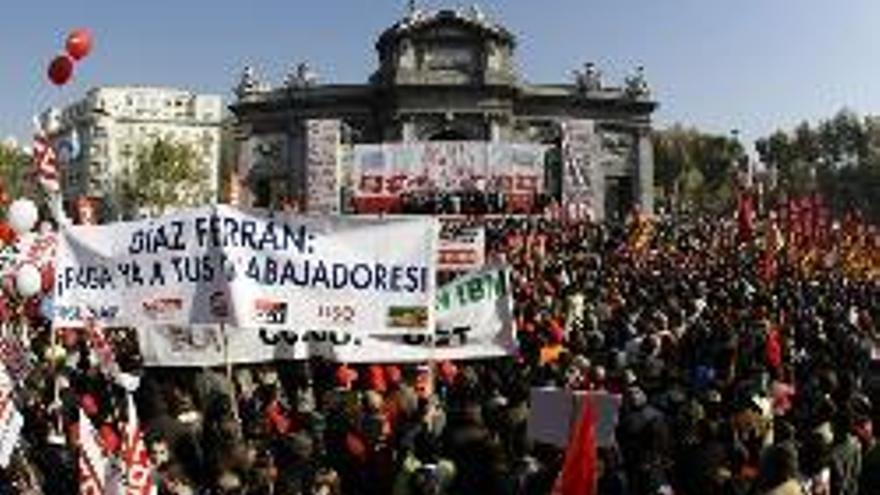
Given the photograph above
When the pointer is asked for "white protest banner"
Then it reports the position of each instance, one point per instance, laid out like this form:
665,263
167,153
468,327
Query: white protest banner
219,264
474,321
553,412
462,245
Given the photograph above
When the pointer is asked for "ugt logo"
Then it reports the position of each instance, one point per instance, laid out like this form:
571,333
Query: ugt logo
267,311
162,308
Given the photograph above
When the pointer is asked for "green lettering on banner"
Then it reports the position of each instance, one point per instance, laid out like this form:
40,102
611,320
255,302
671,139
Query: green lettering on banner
498,286
444,300
475,291
472,290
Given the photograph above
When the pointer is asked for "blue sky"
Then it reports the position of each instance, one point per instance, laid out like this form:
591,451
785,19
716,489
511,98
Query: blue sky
754,65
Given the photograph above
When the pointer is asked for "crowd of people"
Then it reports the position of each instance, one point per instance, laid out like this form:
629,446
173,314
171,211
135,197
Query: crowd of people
734,380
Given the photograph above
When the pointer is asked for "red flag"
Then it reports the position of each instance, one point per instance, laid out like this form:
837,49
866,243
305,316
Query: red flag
773,348
45,162
137,467
745,218
578,476
808,219
94,467
795,231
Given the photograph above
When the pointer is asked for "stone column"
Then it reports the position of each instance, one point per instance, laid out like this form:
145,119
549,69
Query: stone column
241,193
494,128
292,174
408,130
644,185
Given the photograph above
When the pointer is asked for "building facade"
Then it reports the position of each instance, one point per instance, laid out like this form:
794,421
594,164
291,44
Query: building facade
445,77
98,137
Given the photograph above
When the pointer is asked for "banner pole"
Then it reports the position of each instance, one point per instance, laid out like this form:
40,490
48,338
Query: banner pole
228,364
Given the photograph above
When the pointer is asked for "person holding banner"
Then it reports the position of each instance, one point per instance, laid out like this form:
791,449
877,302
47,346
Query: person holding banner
696,365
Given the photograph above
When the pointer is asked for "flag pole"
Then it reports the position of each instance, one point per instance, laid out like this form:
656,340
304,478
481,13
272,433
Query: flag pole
228,365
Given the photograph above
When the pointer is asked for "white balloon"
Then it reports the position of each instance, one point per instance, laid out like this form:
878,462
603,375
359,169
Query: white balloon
23,215
28,281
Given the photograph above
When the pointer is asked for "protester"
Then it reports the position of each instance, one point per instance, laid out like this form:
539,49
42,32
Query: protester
733,381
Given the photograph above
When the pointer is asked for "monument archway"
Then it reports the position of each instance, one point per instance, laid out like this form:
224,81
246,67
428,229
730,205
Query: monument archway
449,134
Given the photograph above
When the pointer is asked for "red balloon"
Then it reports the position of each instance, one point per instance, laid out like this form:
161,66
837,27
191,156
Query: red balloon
61,70
79,43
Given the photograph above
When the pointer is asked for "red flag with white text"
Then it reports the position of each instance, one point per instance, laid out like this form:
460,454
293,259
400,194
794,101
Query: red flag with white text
136,464
45,162
579,475
94,467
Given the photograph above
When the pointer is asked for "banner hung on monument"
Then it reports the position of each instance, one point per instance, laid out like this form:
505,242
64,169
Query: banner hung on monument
580,146
474,321
392,169
322,166
462,244
218,264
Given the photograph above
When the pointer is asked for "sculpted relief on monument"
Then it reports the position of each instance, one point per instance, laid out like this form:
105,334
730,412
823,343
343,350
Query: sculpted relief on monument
616,151
268,152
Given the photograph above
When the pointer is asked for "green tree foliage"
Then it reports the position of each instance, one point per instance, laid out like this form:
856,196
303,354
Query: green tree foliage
838,157
165,175
228,158
14,167
694,168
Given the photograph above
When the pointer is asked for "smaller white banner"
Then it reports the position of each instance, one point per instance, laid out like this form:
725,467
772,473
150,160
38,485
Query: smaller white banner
474,321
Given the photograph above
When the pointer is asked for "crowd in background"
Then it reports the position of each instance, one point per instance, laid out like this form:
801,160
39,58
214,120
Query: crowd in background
744,368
